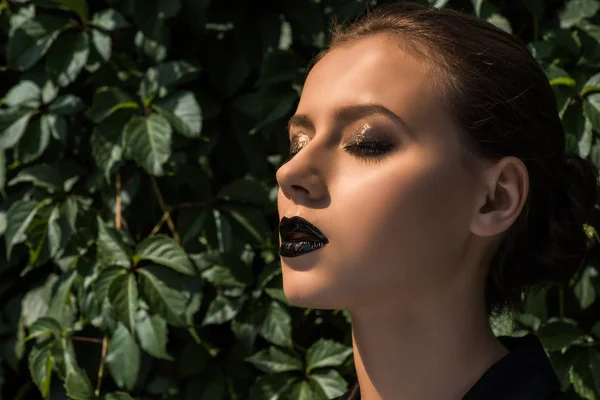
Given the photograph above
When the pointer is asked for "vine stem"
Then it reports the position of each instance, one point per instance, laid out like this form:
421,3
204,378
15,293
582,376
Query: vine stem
160,224
165,209
23,391
167,214
101,368
118,228
86,339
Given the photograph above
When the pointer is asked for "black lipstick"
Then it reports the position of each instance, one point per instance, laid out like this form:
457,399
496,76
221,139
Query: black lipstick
298,237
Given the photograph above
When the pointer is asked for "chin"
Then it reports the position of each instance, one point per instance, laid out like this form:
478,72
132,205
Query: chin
304,289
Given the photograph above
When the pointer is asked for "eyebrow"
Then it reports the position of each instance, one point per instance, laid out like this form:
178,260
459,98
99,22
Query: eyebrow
349,113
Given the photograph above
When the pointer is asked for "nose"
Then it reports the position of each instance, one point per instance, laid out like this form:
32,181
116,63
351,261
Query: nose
301,179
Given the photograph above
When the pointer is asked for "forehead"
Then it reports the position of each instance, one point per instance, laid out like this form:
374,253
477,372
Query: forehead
370,70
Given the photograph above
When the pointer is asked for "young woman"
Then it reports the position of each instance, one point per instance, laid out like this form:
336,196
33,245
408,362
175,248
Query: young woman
428,187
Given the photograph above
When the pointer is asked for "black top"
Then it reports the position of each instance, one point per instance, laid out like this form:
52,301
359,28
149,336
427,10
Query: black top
524,373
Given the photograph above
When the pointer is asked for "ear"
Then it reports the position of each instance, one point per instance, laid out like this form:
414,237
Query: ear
505,187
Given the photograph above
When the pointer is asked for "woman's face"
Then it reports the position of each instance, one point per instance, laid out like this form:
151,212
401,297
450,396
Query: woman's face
377,168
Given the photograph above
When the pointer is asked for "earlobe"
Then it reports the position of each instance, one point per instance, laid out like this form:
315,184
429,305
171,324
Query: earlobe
505,189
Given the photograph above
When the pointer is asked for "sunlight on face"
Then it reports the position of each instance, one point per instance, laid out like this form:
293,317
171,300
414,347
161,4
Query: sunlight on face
377,169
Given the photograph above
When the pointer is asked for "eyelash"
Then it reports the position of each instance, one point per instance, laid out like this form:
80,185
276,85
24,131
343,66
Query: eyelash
369,151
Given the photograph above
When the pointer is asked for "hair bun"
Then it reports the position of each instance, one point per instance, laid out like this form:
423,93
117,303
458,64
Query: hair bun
565,242
580,178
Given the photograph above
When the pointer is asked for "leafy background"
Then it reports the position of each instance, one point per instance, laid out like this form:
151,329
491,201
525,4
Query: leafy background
138,146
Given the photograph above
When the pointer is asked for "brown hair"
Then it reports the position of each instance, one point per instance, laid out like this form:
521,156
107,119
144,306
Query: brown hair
501,98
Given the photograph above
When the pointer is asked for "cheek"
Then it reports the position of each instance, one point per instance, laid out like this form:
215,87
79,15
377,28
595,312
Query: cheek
403,215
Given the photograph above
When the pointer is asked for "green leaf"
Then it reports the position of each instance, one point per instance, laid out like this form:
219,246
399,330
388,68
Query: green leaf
164,250
576,10
276,293
24,94
558,76
246,324
102,43
581,374
12,126
329,383
182,111
584,288
558,335
52,178
438,3
190,223
591,109
78,385
148,141
35,303
591,85
44,235
271,387
67,104
109,19
61,307
502,325
107,143
586,140
250,219
166,75
57,126
118,396
326,353
107,100
301,390
105,278
273,360
123,358
153,45
123,296
152,334
78,6
63,354
31,40
222,309
2,179
40,368
39,76
268,273
18,218
281,109
67,57
228,271
111,248
162,289
277,325
45,326
222,231
34,141
535,304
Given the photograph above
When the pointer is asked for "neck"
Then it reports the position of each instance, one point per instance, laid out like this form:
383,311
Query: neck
435,351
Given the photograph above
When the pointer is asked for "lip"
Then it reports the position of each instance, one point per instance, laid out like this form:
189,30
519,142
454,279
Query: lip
297,224
291,247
